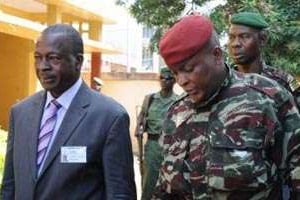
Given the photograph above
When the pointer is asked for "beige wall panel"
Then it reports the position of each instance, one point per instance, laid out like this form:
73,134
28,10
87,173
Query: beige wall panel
130,93
16,73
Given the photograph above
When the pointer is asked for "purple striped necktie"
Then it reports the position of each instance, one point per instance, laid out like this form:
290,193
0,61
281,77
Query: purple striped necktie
46,131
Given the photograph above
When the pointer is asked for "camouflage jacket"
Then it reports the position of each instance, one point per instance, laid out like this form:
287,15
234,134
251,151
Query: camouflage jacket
236,145
285,79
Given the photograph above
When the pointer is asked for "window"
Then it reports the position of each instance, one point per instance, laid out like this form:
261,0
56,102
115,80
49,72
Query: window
148,32
147,59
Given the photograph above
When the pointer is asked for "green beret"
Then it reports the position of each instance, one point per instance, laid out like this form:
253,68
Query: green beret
251,19
165,71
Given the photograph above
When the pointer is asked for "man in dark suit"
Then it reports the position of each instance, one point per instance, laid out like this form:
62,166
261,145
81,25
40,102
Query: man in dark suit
67,142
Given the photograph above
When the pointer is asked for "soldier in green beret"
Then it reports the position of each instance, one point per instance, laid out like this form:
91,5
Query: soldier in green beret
247,37
150,119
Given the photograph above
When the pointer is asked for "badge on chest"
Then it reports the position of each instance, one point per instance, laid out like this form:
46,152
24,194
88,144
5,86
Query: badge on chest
73,154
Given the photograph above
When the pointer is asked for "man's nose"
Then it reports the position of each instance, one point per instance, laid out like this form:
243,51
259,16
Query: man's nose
235,42
43,64
181,79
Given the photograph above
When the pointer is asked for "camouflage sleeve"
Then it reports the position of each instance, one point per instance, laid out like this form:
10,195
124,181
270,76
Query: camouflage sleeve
171,183
290,119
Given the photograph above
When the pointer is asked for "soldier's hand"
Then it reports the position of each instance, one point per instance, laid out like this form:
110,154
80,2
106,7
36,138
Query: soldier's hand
138,135
139,132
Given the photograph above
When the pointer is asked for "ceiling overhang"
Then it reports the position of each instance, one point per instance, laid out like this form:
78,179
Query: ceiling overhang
82,11
23,26
95,46
19,27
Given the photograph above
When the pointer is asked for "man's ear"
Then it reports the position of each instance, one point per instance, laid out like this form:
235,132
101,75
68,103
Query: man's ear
79,61
262,36
218,54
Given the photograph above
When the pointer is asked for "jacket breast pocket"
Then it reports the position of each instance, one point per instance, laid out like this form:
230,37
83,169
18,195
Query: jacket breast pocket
237,160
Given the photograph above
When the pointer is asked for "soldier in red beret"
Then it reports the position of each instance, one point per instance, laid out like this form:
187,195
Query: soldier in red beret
232,135
247,37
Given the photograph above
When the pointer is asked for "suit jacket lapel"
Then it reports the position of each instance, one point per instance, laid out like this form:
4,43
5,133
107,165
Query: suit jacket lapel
72,119
34,118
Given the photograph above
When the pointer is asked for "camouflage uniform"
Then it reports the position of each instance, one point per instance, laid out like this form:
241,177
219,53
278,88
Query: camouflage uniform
284,79
236,145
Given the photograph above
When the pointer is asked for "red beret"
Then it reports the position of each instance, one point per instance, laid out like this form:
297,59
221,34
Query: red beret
185,38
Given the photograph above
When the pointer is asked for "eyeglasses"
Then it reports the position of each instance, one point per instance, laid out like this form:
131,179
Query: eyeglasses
166,78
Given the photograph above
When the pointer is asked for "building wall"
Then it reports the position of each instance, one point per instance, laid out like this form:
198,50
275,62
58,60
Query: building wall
130,93
17,78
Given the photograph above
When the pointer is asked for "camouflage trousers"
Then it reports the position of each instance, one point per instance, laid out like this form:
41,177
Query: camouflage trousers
153,159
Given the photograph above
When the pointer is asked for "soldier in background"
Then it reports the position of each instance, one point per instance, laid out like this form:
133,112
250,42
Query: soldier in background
232,135
98,84
150,121
247,37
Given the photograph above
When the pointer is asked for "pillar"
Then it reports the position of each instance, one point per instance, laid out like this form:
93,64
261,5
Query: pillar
53,14
95,33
